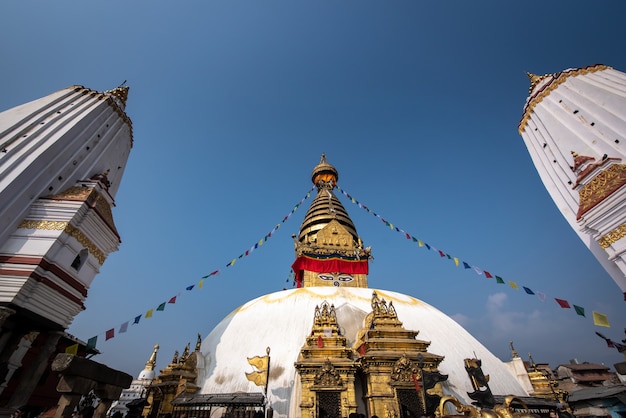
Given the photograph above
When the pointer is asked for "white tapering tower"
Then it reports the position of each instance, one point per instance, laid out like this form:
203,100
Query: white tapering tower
62,158
574,126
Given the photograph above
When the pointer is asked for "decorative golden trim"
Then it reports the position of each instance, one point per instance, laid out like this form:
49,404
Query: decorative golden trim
600,187
45,225
79,193
69,230
612,236
559,78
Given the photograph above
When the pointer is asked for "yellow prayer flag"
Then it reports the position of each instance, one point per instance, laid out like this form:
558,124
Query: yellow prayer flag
456,261
72,349
420,243
260,242
200,284
513,284
149,314
391,226
601,320
259,362
258,378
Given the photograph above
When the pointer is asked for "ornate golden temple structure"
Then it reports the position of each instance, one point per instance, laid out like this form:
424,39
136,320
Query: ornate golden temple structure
338,348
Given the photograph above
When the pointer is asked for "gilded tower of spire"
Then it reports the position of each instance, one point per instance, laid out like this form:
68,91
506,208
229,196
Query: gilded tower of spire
329,251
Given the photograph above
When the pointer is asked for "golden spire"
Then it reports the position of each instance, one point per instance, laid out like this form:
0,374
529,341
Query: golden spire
152,360
120,92
534,80
198,342
513,352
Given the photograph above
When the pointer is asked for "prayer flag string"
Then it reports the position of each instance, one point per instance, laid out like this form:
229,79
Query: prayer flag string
598,318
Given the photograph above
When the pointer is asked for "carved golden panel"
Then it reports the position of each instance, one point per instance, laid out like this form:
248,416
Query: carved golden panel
69,230
612,236
600,187
335,235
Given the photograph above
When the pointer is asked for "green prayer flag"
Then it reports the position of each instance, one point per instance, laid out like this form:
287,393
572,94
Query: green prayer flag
579,310
499,280
161,307
91,343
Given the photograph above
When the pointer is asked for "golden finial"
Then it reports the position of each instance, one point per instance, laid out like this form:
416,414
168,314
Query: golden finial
120,92
324,173
152,360
185,354
198,342
534,80
513,352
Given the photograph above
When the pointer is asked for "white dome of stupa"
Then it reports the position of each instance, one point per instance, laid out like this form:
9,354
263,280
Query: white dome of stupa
282,321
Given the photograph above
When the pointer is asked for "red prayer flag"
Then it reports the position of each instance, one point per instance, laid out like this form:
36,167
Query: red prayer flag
441,253
172,300
110,334
488,275
562,303
320,342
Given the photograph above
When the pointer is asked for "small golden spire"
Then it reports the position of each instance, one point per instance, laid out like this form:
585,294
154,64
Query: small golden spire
513,352
534,80
198,342
152,360
120,92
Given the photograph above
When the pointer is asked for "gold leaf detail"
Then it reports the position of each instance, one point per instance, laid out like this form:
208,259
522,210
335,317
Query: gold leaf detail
612,236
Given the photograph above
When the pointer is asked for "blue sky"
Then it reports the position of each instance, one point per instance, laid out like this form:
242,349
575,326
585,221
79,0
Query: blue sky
416,103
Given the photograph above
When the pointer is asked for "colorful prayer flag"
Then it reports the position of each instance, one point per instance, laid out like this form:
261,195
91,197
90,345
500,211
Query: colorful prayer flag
456,261
109,334
200,284
488,275
91,343
190,287
467,266
161,307
137,318
499,280
527,290
72,349
563,303
600,320
172,300
513,284
541,296
123,327
149,313
579,310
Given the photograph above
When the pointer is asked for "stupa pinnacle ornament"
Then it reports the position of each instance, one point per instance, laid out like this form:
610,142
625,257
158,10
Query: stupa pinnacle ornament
329,251
574,127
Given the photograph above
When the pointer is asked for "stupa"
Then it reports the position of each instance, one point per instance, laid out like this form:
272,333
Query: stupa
333,347
574,126
62,158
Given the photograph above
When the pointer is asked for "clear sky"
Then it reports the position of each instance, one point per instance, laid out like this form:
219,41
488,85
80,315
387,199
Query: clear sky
416,103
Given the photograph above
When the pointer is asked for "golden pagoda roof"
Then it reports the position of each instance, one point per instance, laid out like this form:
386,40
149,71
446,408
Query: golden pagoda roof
325,207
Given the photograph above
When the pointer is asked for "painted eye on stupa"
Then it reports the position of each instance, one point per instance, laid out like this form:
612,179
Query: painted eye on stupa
326,276
345,278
